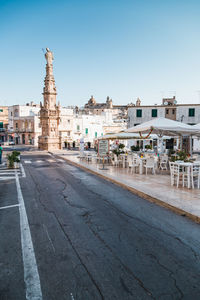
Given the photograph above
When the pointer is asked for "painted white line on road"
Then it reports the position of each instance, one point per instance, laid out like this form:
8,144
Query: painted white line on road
27,162
8,173
7,170
22,170
45,229
9,206
72,296
39,161
6,178
61,160
31,275
51,160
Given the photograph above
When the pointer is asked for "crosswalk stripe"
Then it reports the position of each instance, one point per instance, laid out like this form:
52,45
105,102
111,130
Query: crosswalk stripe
61,160
51,160
9,206
27,162
45,160
6,178
7,174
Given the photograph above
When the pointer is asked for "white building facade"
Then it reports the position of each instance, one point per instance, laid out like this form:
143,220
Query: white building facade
65,127
24,124
186,113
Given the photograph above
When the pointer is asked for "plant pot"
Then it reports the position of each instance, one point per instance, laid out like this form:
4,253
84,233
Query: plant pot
16,165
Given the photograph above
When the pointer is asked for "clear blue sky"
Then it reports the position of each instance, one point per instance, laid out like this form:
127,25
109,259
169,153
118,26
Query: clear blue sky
121,48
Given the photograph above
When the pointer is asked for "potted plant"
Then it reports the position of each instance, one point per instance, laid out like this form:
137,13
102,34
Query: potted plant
10,161
135,148
13,159
119,150
179,155
148,147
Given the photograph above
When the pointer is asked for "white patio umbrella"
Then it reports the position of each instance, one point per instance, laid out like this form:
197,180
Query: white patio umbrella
197,126
164,126
127,136
119,136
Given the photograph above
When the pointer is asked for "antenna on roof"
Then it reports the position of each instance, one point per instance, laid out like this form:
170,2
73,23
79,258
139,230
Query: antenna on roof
173,93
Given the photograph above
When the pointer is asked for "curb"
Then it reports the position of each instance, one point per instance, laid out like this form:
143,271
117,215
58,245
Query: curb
143,195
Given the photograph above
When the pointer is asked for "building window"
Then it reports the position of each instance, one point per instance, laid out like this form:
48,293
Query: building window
16,113
167,111
139,113
154,113
86,130
95,134
1,124
191,112
16,125
173,111
11,113
78,127
68,121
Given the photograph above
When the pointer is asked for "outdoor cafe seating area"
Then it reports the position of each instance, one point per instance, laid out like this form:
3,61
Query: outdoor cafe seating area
182,174
182,168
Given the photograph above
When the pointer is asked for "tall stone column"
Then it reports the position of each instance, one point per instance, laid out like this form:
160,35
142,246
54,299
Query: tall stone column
49,111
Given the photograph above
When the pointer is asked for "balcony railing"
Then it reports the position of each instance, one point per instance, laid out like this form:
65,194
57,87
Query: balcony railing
21,130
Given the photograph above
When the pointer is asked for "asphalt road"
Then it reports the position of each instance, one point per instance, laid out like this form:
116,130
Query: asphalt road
93,239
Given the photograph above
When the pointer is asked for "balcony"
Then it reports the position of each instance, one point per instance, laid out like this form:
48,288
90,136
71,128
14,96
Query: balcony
23,130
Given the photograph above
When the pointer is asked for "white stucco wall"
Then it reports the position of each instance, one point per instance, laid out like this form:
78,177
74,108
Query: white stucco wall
182,114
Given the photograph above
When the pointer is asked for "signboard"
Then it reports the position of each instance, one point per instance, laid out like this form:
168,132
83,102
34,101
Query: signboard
103,148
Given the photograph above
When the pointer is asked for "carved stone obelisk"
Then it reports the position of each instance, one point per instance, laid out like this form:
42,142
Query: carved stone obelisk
49,111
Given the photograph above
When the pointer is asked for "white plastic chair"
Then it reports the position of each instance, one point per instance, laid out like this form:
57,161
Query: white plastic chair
136,164
195,174
186,174
163,162
174,173
130,162
179,172
150,165
116,161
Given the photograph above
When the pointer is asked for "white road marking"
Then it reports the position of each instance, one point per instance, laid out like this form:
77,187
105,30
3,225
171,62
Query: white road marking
51,160
31,275
39,161
61,160
8,173
8,170
27,162
9,206
72,296
6,178
45,228
22,170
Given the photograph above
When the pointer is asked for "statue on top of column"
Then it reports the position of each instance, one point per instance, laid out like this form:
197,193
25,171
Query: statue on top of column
49,57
